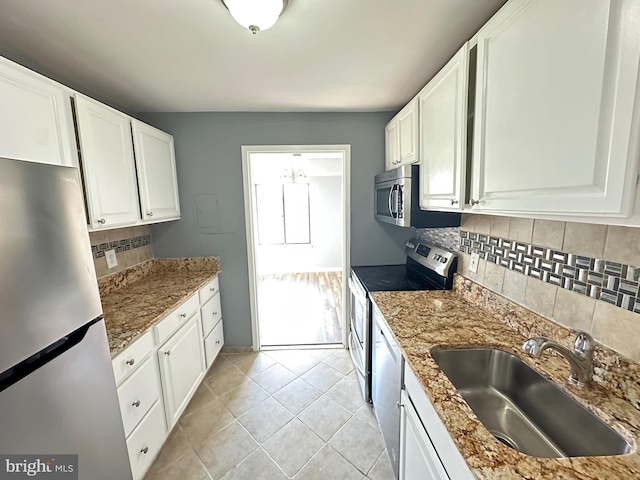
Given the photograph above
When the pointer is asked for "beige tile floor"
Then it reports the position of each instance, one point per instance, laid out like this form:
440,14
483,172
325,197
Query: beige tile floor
284,414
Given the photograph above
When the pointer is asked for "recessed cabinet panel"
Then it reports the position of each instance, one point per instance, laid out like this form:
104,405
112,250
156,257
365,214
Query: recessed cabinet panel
443,127
35,126
408,133
556,83
108,164
181,368
392,152
157,178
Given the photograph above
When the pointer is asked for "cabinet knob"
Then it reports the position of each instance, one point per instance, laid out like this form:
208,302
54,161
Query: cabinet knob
473,202
212,289
215,313
145,450
168,352
454,201
217,342
130,362
183,315
136,403
102,221
150,214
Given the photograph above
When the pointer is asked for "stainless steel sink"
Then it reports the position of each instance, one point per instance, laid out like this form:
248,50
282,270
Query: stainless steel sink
523,409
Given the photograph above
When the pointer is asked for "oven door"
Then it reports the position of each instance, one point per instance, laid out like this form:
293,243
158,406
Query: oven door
359,336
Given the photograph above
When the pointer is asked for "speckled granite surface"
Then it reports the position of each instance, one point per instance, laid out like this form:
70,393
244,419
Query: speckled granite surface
422,321
135,299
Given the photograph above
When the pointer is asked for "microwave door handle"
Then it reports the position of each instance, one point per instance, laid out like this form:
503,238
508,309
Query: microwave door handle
390,200
393,202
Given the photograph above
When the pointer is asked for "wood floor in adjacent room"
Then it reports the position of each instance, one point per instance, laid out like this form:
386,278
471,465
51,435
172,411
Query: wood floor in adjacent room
300,308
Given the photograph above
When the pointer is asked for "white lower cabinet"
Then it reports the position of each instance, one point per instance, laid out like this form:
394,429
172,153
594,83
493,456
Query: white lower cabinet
158,374
427,451
213,343
145,442
182,368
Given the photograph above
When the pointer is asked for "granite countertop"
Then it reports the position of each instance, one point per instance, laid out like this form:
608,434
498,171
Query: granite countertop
134,300
422,321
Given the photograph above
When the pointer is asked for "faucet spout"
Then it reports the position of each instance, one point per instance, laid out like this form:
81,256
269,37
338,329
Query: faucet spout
580,359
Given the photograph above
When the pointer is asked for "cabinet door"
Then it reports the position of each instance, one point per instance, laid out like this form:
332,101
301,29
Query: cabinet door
181,368
418,458
408,133
443,134
108,165
35,126
557,83
157,180
391,145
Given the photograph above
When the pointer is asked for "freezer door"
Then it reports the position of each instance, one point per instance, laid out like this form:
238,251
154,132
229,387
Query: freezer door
48,286
69,406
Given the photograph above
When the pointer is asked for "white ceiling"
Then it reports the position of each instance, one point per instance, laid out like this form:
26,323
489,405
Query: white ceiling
190,55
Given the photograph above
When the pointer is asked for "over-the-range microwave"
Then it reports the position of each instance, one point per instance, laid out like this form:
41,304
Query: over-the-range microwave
397,201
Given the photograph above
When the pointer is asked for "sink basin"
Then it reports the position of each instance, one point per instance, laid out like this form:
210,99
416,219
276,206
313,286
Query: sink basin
523,409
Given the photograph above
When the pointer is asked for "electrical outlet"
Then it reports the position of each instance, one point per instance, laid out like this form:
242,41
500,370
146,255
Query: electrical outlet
112,261
473,266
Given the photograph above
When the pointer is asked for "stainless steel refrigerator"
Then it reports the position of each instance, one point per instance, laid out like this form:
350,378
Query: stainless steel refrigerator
57,389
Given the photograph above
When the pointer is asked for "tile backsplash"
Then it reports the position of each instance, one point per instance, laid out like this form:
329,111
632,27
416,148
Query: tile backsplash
583,276
133,245
447,238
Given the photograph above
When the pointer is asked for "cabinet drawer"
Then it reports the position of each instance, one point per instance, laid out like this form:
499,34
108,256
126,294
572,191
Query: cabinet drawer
211,314
129,360
138,392
179,316
209,290
146,440
213,344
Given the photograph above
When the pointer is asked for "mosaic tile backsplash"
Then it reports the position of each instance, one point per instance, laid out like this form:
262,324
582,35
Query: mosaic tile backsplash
447,238
119,246
610,282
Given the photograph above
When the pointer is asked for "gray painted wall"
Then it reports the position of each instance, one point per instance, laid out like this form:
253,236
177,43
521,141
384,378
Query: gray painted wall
209,161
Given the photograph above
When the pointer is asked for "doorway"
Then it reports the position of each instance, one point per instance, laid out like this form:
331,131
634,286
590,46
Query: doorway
297,218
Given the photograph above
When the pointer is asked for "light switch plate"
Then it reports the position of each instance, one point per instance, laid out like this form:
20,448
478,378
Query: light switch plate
112,261
473,266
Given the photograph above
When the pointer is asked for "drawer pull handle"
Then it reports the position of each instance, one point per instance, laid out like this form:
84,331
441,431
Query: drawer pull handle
168,352
136,403
183,315
144,450
131,361
217,342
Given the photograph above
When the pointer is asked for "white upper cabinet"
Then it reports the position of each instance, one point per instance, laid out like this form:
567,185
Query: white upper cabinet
392,152
108,165
156,165
556,89
33,112
443,135
401,137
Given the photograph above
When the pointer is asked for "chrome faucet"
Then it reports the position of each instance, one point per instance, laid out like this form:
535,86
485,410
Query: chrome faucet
581,359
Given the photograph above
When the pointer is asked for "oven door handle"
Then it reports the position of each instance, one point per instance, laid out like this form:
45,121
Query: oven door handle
355,292
353,358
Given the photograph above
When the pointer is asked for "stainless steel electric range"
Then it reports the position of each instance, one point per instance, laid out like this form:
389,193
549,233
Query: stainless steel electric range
373,349
427,268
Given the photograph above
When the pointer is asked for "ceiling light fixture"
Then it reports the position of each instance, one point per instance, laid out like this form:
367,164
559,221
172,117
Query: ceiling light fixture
256,15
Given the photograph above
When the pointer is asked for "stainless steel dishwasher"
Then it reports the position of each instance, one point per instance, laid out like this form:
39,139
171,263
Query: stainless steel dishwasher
386,385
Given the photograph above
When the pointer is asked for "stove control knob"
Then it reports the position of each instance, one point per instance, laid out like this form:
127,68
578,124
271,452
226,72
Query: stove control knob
409,245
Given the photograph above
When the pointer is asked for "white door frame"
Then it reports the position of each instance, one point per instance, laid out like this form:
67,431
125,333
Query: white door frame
251,224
